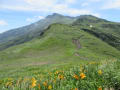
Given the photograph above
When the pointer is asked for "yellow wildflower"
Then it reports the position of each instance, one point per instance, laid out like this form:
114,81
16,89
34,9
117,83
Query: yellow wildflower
100,88
49,87
33,82
61,77
82,76
100,72
45,83
33,85
56,72
76,89
76,76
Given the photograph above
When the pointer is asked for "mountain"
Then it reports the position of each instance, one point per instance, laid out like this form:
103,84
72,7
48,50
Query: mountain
83,41
108,32
103,29
26,33
59,44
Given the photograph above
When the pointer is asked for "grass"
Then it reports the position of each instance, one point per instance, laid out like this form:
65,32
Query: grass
90,76
107,31
55,51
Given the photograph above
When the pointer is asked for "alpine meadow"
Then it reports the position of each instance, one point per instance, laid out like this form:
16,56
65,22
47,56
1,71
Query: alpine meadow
61,53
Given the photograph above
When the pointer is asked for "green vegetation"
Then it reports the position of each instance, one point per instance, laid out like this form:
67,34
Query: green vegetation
64,48
103,29
103,75
27,33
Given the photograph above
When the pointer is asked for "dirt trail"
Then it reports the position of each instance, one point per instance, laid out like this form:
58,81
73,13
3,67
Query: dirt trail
77,43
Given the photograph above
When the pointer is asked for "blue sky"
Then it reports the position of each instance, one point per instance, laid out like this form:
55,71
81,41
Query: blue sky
17,13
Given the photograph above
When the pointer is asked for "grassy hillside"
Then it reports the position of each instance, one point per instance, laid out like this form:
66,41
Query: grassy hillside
26,33
103,29
60,43
60,47
102,75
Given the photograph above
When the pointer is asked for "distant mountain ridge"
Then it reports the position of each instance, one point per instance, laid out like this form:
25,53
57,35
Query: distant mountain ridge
26,33
41,25
62,44
101,28
66,40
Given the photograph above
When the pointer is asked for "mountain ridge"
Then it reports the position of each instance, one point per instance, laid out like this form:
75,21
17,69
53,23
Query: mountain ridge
79,43
34,30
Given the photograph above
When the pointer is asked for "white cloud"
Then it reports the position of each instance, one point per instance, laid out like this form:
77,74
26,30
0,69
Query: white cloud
3,23
88,2
112,4
64,9
40,3
49,6
17,8
41,17
76,12
34,19
96,14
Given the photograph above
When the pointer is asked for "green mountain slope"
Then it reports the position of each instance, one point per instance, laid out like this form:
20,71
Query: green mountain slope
103,29
27,33
59,44
87,47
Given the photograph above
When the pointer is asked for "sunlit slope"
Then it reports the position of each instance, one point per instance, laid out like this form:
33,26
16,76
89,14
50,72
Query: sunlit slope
23,34
105,30
60,42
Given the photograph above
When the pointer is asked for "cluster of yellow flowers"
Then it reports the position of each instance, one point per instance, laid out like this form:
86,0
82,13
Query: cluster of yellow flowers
33,82
82,76
100,72
58,75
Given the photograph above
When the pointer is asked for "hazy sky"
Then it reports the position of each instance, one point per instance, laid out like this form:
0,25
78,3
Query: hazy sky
16,13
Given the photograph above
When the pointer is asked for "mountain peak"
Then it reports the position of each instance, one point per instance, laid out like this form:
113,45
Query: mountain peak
54,15
89,19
